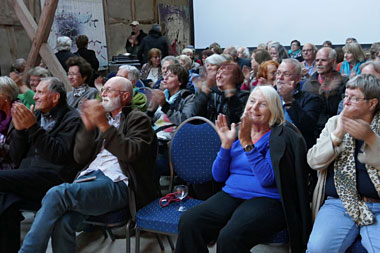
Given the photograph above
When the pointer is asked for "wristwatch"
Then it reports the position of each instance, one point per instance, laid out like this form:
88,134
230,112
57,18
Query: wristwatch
248,147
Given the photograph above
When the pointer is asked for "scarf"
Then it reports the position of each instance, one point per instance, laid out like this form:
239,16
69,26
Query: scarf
345,68
171,99
345,179
77,92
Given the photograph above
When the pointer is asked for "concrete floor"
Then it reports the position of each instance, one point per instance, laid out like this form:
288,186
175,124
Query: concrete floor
90,242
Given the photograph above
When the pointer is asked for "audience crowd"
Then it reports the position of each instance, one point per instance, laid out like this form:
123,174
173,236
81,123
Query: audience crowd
299,130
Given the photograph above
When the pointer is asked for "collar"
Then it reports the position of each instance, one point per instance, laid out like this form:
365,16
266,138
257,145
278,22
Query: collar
171,99
78,92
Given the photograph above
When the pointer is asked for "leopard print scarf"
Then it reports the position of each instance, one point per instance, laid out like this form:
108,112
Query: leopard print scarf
345,179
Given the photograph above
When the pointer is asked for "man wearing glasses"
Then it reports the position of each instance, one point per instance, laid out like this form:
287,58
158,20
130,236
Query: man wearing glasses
308,54
117,146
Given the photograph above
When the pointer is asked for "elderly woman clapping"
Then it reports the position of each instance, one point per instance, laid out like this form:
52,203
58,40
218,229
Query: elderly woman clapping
265,191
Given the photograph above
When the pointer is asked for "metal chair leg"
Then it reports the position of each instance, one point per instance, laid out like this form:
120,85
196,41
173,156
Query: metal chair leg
160,242
170,242
137,247
128,237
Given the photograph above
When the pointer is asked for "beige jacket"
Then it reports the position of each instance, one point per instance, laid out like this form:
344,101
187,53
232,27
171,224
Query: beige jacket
323,153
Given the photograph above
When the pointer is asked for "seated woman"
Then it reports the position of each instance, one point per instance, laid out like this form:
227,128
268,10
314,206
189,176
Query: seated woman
25,93
168,109
265,189
186,62
347,157
353,58
225,97
8,96
34,76
151,71
267,73
258,56
277,51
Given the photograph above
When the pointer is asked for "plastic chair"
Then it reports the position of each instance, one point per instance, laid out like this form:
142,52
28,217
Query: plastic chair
192,152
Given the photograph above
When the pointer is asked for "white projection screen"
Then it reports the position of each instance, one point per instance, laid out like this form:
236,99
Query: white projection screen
251,22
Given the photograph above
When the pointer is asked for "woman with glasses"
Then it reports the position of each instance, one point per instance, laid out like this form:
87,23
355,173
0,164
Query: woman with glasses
346,201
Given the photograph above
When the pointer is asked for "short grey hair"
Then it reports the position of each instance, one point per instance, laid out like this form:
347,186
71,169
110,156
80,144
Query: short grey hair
245,51
375,64
274,104
56,86
186,59
295,63
39,71
8,88
133,72
215,59
231,51
171,58
63,43
187,50
368,84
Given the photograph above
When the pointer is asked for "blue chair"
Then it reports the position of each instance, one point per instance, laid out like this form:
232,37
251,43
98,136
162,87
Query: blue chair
192,152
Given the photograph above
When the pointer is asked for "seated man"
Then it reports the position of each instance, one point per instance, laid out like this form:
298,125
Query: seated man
301,108
79,74
347,157
119,148
41,147
139,100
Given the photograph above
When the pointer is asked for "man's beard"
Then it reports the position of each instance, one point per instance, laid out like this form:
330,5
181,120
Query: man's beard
111,104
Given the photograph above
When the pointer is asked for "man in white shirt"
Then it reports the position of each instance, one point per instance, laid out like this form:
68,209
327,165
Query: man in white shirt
119,146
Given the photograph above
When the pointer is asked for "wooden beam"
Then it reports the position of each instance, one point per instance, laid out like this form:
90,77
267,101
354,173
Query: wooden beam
12,42
42,33
46,52
107,26
133,10
31,7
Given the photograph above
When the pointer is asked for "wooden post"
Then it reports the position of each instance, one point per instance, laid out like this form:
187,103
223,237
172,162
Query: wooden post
42,33
31,29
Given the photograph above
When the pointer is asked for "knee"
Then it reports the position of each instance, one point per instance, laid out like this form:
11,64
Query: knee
228,236
54,194
188,221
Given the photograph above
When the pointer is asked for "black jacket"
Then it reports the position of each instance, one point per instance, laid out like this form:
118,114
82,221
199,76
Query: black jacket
304,112
90,57
62,57
288,156
209,106
329,99
36,148
153,40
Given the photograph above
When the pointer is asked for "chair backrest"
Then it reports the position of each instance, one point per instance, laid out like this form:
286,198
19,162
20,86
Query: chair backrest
193,150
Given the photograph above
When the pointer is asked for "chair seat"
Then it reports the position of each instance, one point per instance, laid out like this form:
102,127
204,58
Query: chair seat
165,219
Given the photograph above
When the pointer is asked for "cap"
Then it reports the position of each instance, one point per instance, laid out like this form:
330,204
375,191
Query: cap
134,23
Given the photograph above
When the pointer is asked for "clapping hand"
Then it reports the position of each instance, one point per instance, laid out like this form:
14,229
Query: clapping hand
93,115
226,134
245,129
22,117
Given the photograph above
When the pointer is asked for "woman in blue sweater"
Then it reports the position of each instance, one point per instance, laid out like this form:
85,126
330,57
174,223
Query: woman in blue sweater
258,179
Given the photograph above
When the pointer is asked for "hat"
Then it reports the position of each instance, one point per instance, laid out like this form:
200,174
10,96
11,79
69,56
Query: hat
134,23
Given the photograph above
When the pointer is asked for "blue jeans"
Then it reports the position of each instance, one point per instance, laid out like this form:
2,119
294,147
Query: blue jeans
66,206
335,231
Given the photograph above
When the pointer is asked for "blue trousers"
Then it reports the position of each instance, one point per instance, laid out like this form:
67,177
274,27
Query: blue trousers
335,231
66,206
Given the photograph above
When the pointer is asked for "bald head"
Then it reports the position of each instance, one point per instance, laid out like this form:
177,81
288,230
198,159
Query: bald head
325,60
119,85
308,52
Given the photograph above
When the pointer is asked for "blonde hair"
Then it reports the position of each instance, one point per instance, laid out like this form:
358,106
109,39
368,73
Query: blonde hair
274,104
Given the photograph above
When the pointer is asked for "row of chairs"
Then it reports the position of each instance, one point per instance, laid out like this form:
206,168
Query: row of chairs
192,152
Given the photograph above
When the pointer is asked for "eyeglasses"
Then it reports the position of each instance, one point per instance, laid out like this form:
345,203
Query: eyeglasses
285,74
352,99
307,50
107,90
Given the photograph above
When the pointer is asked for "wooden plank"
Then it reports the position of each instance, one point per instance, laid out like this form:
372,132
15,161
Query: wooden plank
12,42
42,33
107,26
6,20
31,7
24,17
46,52
133,10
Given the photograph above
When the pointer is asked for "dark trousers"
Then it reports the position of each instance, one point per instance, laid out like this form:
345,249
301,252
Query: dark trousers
236,224
17,188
